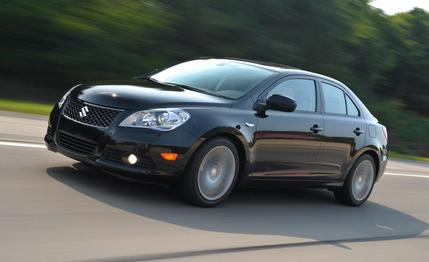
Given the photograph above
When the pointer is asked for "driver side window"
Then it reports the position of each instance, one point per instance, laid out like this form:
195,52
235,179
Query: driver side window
303,91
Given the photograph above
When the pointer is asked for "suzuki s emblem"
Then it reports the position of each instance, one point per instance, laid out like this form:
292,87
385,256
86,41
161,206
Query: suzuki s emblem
84,111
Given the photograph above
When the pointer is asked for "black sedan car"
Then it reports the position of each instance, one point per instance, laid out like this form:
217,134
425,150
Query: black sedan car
206,124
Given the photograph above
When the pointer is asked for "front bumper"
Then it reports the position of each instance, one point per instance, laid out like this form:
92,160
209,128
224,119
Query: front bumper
108,148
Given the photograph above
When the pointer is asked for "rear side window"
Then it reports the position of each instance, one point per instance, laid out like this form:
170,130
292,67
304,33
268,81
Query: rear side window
335,102
303,91
351,107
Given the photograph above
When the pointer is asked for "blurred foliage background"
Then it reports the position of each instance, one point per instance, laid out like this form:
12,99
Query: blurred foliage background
48,46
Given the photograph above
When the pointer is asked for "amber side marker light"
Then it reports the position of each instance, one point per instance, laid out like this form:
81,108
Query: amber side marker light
169,156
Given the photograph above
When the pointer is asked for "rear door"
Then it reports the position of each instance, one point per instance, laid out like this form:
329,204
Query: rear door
285,145
344,131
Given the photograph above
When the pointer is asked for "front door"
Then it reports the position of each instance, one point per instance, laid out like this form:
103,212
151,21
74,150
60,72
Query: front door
287,143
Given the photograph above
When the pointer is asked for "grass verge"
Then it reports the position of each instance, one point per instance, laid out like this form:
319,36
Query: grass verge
393,154
25,107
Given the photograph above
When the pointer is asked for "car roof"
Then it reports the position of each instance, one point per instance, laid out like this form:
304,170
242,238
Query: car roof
286,69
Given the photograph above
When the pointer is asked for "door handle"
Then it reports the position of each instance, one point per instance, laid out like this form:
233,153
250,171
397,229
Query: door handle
316,129
358,131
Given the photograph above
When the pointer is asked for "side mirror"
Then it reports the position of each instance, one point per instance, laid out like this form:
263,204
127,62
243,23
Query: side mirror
281,103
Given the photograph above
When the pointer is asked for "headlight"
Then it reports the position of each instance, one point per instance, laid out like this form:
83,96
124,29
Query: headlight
63,99
163,119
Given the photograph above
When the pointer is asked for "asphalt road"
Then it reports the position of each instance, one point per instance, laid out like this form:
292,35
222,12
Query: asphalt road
53,209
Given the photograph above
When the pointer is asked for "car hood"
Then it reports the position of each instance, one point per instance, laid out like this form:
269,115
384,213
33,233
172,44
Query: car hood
143,94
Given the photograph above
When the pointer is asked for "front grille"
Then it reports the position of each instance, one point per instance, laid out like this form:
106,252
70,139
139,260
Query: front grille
90,114
118,156
74,144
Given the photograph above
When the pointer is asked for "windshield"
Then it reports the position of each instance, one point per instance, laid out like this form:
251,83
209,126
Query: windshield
223,78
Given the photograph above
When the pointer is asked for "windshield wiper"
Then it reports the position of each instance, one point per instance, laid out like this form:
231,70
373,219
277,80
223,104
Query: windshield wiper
181,86
188,87
148,77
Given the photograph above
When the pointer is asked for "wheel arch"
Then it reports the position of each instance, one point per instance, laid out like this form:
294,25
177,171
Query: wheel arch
372,152
235,136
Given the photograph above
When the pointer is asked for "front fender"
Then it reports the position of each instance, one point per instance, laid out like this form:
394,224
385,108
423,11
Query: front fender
206,123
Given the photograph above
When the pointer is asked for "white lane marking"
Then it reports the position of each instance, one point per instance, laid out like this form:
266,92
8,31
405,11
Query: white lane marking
407,175
21,144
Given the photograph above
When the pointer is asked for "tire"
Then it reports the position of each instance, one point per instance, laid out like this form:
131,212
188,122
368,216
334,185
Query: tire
212,173
359,183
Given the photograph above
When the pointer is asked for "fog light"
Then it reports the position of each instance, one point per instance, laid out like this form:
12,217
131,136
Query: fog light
132,159
169,156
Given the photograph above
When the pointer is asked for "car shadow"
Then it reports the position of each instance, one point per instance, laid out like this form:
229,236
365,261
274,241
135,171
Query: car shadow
310,214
